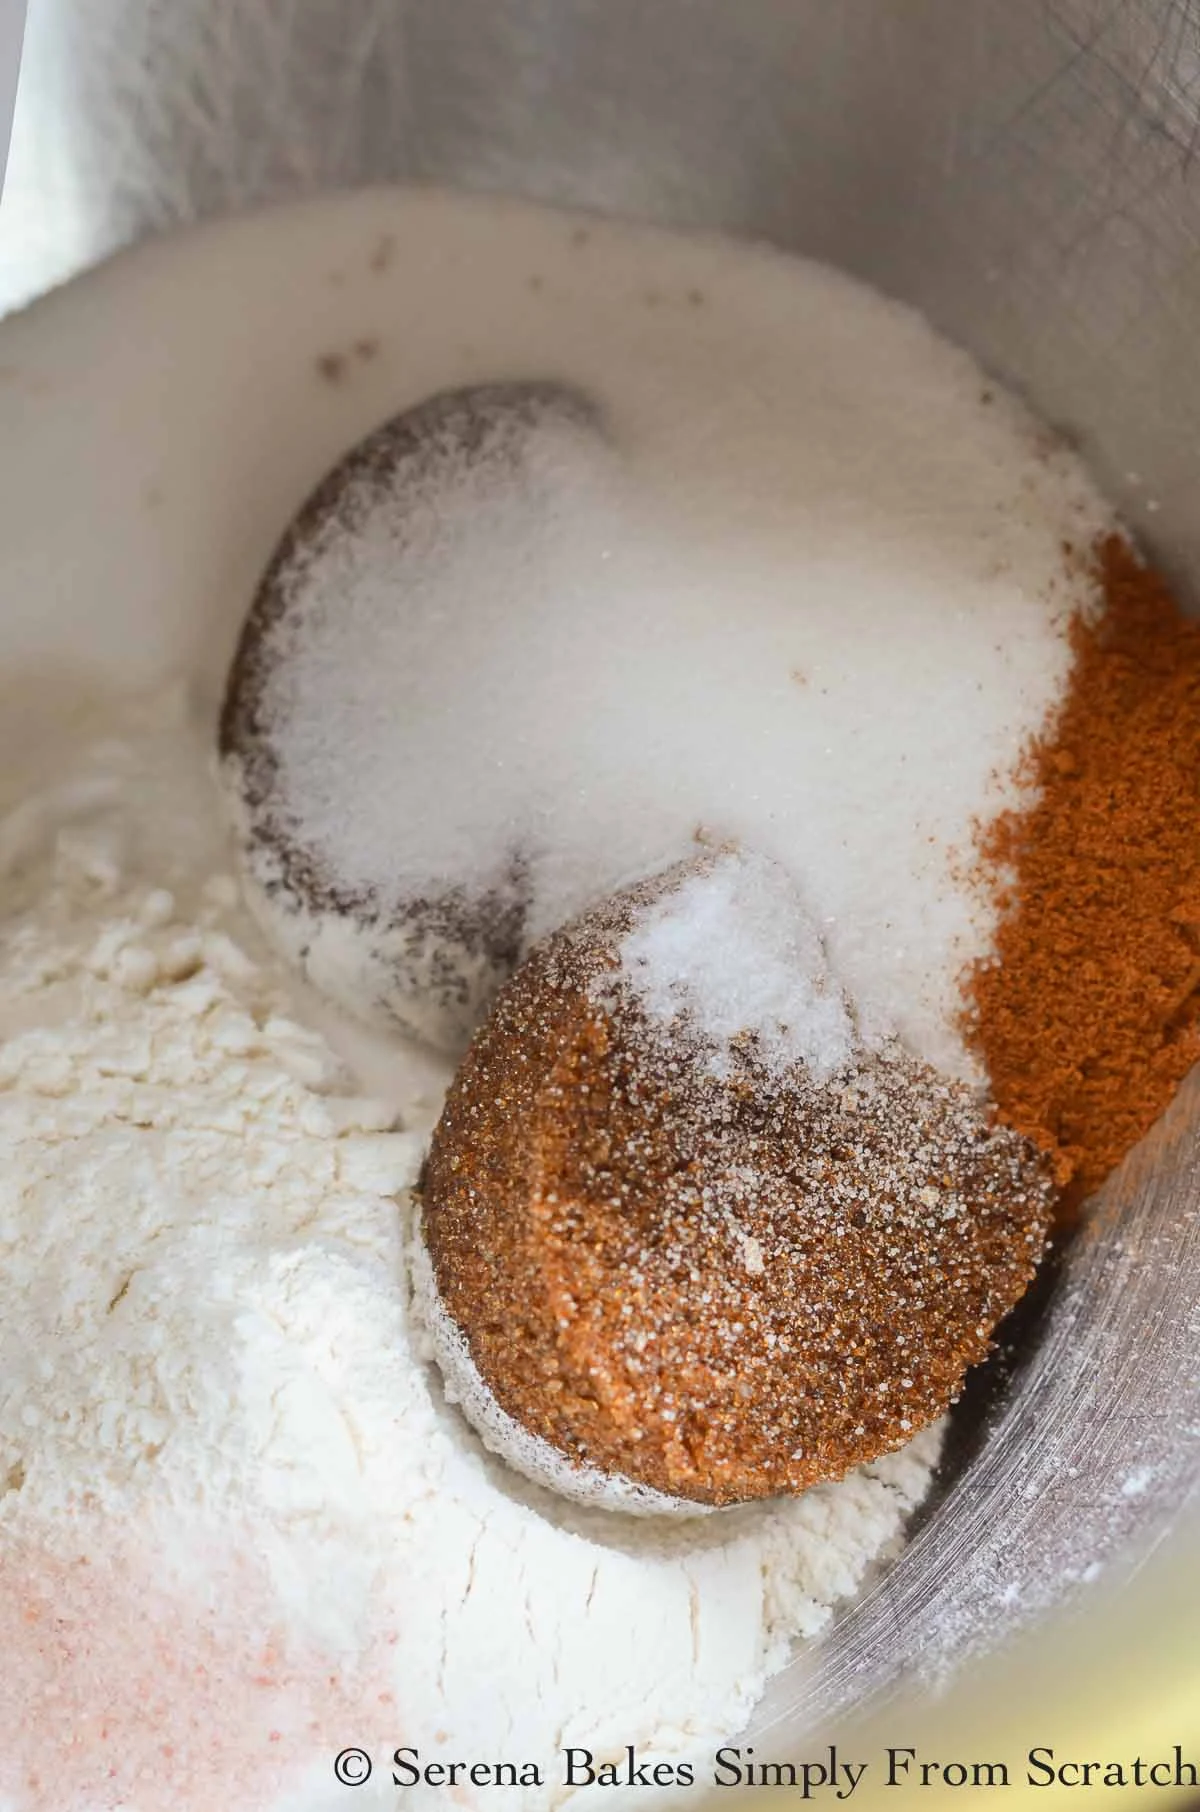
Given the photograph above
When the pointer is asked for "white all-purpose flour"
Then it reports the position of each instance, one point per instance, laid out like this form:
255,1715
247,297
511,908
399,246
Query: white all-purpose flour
215,1403
240,1528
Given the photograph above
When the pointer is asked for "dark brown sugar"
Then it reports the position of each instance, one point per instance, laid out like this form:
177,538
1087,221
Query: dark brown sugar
1087,1014
720,1287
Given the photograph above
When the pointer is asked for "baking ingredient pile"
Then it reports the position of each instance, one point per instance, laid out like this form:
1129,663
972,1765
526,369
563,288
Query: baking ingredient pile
500,666
704,1240
240,1522
236,1516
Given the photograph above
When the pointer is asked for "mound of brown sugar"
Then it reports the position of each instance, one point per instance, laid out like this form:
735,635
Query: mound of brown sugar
1087,1017
720,1282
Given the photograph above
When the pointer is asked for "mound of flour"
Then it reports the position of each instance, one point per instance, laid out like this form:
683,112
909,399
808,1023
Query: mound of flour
219,1429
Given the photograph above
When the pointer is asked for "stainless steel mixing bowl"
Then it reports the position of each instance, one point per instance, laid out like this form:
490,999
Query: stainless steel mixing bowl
1027,172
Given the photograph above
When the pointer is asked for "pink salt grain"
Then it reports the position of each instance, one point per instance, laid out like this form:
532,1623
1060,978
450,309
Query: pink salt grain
124,1688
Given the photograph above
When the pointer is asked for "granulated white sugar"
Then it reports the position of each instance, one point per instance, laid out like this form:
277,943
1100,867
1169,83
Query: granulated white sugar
734,949
815,609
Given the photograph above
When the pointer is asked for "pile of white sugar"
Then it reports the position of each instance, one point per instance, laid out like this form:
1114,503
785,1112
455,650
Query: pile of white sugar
821,629
735,951
239,1525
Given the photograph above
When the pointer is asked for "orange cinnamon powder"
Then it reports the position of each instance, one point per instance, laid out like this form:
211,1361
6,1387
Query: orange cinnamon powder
1087,1016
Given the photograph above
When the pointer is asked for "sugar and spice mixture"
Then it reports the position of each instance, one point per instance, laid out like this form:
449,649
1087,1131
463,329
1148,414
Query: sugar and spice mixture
694,1261
612,1149
811,451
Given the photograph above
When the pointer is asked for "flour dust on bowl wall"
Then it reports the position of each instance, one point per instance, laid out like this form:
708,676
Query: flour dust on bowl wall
596,862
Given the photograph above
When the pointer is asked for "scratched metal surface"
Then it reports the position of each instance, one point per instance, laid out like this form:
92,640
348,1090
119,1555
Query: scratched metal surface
1027,171
12,25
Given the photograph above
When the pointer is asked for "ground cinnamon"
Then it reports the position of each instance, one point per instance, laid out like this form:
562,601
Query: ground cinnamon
1088,1014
